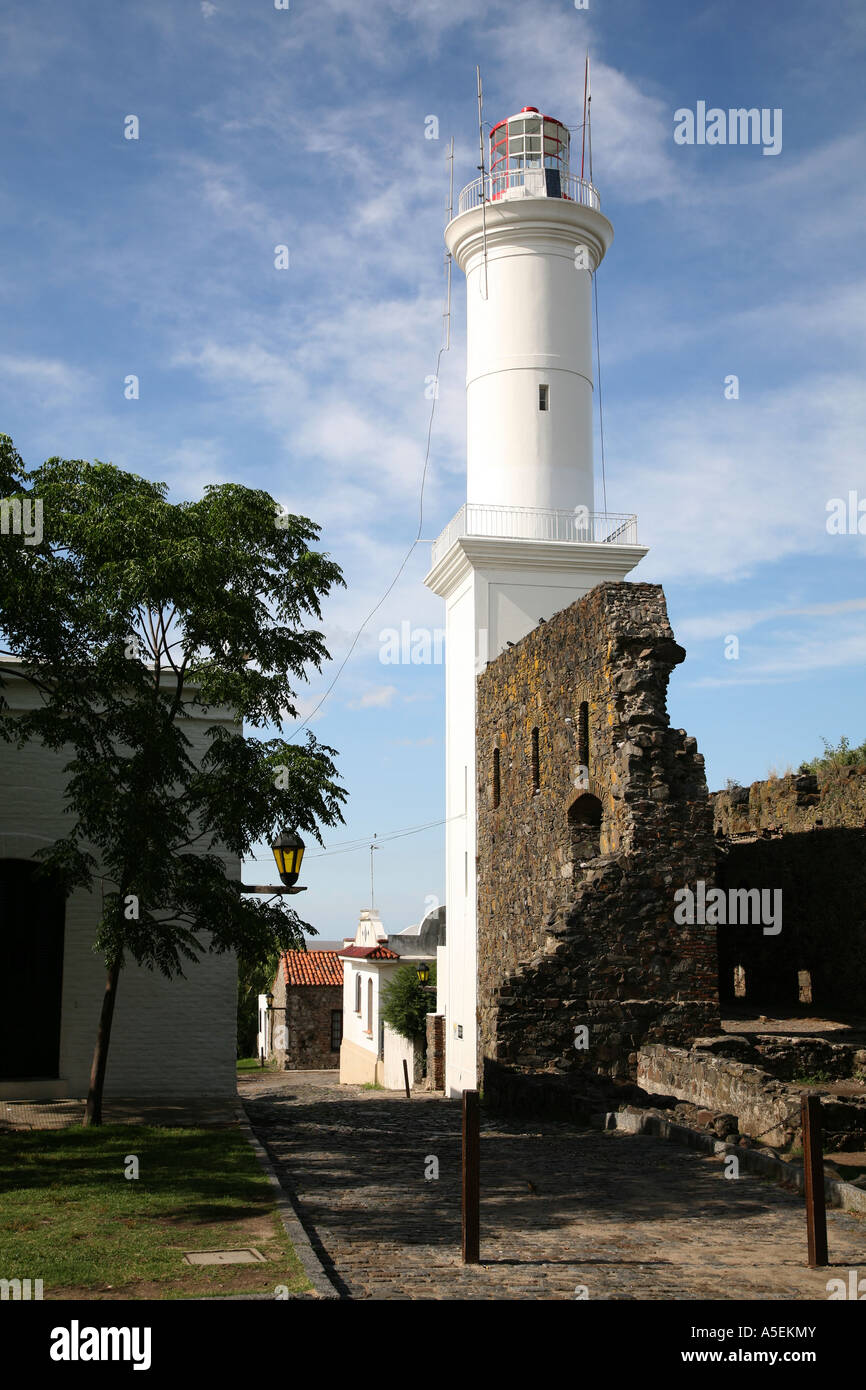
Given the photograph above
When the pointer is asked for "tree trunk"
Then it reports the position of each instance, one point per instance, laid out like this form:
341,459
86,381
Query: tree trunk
93,1109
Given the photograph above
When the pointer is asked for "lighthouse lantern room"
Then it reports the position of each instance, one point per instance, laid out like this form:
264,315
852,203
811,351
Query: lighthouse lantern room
529,237
529,156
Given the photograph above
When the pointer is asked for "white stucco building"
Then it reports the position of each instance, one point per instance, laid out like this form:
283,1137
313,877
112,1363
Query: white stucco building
529,235
170,1038
368,965
370,1050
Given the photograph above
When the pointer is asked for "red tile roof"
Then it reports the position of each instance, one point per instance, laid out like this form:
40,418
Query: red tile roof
312,968
369,953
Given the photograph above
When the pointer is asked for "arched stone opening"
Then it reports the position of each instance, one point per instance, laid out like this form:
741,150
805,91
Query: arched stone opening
584,827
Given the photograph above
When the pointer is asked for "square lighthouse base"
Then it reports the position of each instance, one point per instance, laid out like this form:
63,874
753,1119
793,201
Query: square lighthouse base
515,584
496,590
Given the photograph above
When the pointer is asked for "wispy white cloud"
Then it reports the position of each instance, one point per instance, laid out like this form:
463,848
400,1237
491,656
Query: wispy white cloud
795,657
381,697
738,621
727,488
44,377
306,710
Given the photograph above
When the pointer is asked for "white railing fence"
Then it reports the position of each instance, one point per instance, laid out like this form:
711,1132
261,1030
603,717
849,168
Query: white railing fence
498,188
537,524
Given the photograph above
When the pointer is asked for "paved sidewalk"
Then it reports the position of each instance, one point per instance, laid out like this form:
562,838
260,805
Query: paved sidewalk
60,1114
626,1216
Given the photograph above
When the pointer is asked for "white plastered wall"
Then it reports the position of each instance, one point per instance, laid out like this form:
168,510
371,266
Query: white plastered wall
170,1037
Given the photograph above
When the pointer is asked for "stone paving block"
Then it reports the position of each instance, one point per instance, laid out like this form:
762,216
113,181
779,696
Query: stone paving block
628,1215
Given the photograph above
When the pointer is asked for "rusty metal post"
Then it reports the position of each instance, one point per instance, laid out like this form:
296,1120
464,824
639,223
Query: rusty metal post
813,1171
471,1177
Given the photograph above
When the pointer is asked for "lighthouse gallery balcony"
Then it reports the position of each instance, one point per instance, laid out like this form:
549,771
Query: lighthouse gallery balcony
536,524
528,183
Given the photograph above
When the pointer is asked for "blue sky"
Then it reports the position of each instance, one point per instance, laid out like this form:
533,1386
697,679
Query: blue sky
306,127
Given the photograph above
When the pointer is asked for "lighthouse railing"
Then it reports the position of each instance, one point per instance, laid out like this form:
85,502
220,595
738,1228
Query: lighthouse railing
513,184
537,524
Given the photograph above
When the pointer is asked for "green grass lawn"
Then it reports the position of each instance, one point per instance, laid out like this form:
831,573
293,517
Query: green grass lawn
70,1217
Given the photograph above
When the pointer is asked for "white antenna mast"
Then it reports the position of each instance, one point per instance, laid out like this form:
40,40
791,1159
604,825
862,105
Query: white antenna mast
589,116
372,896
448,258
483,177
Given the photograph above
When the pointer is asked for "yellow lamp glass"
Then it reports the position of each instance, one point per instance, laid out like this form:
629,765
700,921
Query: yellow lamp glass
288,851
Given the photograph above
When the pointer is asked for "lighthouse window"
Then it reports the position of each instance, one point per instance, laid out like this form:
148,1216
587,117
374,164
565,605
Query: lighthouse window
544,398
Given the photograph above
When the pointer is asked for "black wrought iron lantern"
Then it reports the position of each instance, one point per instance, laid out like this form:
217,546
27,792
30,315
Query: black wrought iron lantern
288,851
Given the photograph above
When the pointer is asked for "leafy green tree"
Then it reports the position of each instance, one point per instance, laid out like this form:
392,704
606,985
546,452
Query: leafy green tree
255,977
405,1005
131,615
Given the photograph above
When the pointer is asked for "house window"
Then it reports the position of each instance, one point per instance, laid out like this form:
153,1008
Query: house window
357,994
336,1029
544,398
370,1006
495,777
536,763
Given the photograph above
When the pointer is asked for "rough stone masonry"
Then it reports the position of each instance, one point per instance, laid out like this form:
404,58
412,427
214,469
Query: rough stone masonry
806,836
592,812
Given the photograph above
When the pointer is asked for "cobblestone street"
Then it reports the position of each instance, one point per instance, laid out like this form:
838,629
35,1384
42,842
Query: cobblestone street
626,1216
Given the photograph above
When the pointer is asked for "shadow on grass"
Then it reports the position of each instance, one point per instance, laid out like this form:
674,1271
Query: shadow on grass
205,1214
212,1164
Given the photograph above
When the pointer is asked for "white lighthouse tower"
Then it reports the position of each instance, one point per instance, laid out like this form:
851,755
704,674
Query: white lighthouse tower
528,235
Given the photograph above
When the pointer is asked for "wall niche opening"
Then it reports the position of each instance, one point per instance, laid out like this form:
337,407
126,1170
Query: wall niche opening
583,734
584,827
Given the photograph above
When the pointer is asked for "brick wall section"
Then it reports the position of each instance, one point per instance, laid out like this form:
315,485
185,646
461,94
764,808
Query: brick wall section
559,944
436,1052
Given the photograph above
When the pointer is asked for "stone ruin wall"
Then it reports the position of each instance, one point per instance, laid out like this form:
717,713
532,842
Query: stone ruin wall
801,802
565,940
805,835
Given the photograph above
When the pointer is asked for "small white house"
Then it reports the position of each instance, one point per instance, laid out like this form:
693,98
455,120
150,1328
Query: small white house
171,1038
371,1051
368,966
